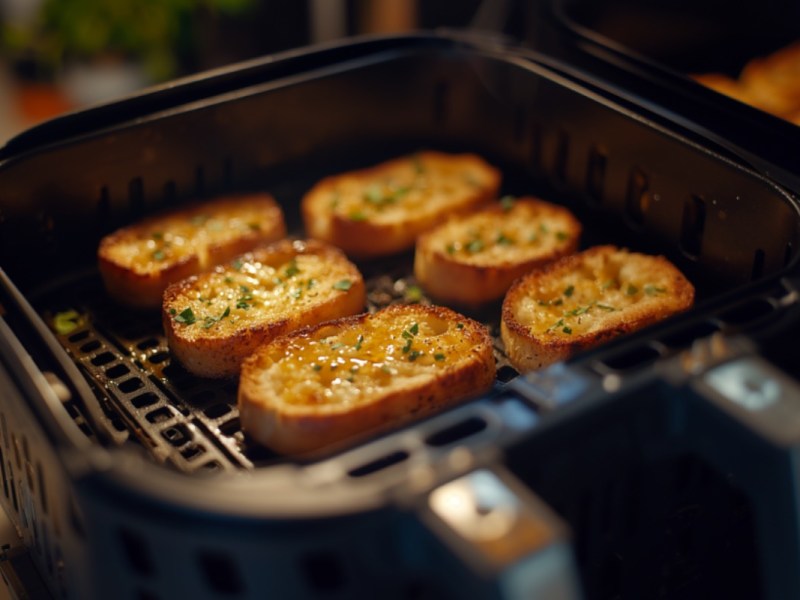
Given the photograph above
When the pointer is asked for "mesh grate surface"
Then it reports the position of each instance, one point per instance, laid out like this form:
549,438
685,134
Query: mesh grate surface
183,420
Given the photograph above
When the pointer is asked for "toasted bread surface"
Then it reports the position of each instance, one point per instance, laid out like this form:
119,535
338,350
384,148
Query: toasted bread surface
475,258
138,262
381,210
214,320
326,384
585,299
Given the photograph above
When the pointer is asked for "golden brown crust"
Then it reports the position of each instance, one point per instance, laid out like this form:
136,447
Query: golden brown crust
474,259
139,261
351,377
252,300
586,299
382,209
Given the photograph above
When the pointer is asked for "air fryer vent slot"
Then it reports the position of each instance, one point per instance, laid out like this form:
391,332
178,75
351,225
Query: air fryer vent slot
635,358
221,573
384,462
693,223
637,197
457,432
324,572
758,265
747,312
596,174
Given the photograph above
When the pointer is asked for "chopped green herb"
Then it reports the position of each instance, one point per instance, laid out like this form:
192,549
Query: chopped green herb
543,228
215,225
317,368
414,329
337,345
504,240
407,347
566,329
209,322
451,248
67,321
578,311
297,294
244,289
254,226
311,283
562,236
172,311
414,355
373,195
237,264
159,255
359,342
413,294
459,325
343,285
438,356
198,220
228,279
358,215
533,237
558,302
386,369
569,291
242,304
292,269
186,316
556,325
652,290
631,290
407,335
475,246
507,202
277,280
608,284
157,235
605,307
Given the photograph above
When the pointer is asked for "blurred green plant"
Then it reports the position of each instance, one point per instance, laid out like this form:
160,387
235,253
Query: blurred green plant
156,33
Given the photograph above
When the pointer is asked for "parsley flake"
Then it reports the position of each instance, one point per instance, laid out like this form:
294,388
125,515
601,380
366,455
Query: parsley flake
569,291
414,329
414,355
67,321
359,342
159,255
507,203
438,356
566,329
475,246
450,248
209,322
459,326
631,290
317,368
358,215
562,236
254,226
343,285
186,316
237,264
504,240
292,269
652,290
412,294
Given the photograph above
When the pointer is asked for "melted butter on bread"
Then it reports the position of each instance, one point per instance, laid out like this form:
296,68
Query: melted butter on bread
324,384
214,320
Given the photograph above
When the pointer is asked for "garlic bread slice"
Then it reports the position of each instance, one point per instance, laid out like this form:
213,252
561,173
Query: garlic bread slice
475,258
339,380
214,320
586,299
381,210
138,262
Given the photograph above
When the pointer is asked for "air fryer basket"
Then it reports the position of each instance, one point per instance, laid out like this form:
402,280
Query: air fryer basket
128,476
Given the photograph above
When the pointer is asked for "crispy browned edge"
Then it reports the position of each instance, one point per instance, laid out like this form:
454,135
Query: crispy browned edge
527,353
364,239
306,429
222,356
145,290
447,279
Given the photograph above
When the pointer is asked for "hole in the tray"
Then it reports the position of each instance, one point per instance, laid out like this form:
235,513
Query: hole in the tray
758,265
103,359
136,196
324,571
379,464
637,196
192,451
144,400
211,466
159,357
456,432
685,336
147,344
131,385
3,473
788,253
42,490
441,93
215,411
159,415
117,371
231,427
561,156
596,173
90,346
137,552
177,435
693,223
747,312
220,572
506,373
79,337
632,359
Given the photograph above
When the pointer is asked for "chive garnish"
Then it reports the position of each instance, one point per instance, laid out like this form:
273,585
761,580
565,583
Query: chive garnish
414,329
569,291
507,202
451,248
459,326
504,240
562,236
311,283
67,321
438,356
254,226
631,290
413,294
209,322
157,235
475,246
358,215
652,290
567,329
414,355
317,368
237,264
159,255
359,342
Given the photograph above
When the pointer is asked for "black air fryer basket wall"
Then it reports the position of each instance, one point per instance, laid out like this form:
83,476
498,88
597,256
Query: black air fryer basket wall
129,478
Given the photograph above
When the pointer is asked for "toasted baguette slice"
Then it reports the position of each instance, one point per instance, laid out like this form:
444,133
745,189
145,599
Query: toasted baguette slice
585,299
213,321
381,210
329,383
475,259
138,262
